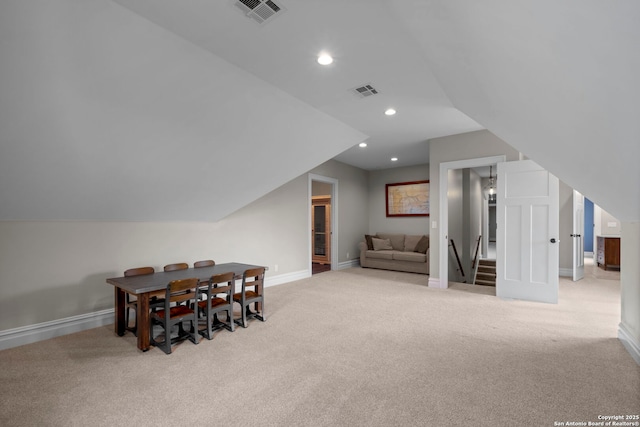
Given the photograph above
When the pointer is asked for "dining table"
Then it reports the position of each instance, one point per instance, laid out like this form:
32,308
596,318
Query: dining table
143,286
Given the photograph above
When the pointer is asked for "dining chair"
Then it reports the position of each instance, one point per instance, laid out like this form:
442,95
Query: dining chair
177,292
251,278
178,266
131,302
214,303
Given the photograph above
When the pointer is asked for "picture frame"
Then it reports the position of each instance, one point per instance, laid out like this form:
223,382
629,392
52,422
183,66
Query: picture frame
407,199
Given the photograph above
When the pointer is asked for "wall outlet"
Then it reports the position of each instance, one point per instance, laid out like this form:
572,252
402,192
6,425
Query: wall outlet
275,267
434,224
347,255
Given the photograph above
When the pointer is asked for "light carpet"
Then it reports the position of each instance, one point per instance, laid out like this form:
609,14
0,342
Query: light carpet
355,347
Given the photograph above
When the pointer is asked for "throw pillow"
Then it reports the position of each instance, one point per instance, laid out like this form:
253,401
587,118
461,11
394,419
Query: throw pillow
410,242
423,245
368,238
381,244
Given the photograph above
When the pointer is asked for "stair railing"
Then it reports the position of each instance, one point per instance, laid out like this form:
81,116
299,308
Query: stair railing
475,263
455,252
475,257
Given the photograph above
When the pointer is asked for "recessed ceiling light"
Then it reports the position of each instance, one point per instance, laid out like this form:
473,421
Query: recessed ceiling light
325,59
390,112
394,159
362,144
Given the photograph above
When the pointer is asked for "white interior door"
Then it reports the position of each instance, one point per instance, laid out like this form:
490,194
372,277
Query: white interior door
527,235
578,235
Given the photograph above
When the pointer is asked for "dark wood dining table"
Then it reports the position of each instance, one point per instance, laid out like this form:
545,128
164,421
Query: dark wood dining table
142,286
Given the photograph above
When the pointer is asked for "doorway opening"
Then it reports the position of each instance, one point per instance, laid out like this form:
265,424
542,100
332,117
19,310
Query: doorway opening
472,225
322,224
321,233
445,228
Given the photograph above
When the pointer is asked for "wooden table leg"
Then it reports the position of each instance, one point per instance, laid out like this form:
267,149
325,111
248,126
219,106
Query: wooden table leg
142,314
119,314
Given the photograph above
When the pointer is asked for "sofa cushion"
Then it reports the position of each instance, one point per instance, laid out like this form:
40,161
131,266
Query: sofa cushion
367,238
410,256
381,244
410,242
423,245
397,240
380,254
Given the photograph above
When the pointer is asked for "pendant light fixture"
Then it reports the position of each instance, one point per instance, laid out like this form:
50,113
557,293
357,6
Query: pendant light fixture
490,189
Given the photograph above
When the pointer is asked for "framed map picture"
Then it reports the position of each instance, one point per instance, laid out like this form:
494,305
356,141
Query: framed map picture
408,198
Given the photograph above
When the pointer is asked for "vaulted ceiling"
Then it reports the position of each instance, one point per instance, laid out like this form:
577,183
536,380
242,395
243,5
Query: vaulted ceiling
134,109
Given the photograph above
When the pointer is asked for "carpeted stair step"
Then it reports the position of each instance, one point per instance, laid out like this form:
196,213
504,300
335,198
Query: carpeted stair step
485,283
486,274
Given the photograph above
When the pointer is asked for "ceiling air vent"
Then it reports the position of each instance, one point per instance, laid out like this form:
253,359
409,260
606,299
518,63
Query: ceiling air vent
365,91
260,10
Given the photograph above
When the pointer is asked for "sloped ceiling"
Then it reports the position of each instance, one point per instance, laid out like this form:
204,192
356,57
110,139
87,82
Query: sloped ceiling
133,110
557,80
105,116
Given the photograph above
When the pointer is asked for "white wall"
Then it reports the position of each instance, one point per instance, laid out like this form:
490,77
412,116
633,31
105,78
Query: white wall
629,330
609,225
320,188
378,221
456,221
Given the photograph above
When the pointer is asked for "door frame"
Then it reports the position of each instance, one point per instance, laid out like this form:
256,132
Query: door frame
577,246
333,216
443,233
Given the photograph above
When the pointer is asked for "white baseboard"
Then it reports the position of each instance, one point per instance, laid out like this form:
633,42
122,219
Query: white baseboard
434,282
348,264
285,278
43,331
629,342
565,272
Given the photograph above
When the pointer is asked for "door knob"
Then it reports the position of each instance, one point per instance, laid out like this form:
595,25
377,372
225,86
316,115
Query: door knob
554,240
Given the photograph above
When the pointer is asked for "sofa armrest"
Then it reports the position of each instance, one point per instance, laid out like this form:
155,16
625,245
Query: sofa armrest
363,253
428,266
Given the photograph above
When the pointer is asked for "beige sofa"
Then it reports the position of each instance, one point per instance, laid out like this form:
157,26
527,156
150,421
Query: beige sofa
400,252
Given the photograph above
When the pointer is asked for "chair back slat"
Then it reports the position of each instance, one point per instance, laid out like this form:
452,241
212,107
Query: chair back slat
221,283
222,277
140,271
177,266
253,277
181,290
176,286
204,263
254,272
